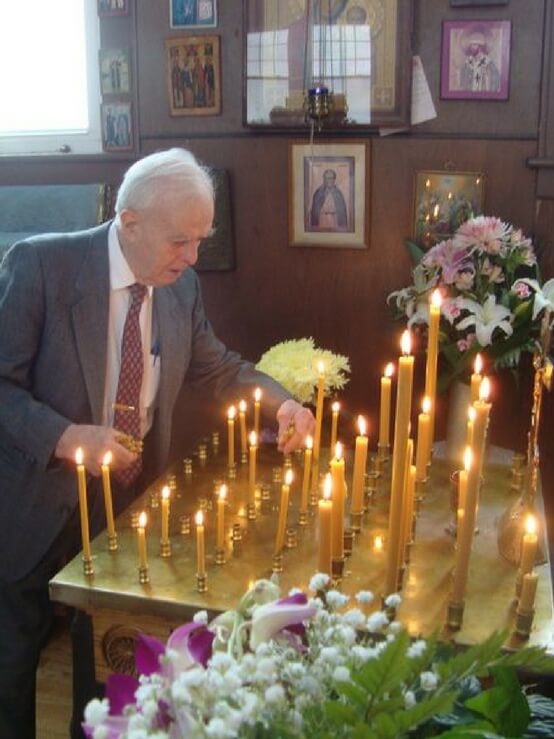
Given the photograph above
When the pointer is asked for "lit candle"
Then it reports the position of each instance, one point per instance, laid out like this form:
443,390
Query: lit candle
257,399
231,413
252,469
480,425
463,548
200,547
335,408
378,543
528,546
432,355
339,494
283,512
476,378
83,507
165,515
384,408
141,541
528,592
470,421
325,527
401,433
318,421
242,424
306,476
405,504
410,495
107,485
221,516
423,440
360,460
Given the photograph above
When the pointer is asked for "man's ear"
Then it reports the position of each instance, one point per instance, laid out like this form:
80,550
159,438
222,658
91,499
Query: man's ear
129,220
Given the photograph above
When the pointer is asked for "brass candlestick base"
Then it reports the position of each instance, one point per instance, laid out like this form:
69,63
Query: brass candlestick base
524,622
244,458
165,549
154,500
287,464
376,466
277,564
455,615
201,582
383,452
420,490
144,577
220,556
313,499
276,474
88,567
510,532
232,472
251,511
112,543
291,539
134,519
187,466
203,503
348,542
356,522
337,568
215,442
185,524
303,518
237,533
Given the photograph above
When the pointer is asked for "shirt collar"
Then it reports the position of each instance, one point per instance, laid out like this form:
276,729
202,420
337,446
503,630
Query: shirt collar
121,275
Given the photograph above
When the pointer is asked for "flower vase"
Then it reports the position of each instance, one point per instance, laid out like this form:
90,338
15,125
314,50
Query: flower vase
456,425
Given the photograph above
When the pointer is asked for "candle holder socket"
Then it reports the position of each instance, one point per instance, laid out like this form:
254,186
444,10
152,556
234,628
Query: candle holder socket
185,524
517,481
287,462
237,533
220,556
455,615
420,490
251,511
348,541
355,522
276,474
383,452
231,471
165,549
172,482
154,500
88,567
112,543
518,461
313,499
266,493
187,466
277,563
144,577
244,458
215,441
524,622
201,582
291,538
303,518
134,519
203,449
203,503
337,569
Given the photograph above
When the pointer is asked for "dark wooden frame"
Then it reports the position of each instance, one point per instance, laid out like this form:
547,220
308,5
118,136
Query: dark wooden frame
103,13
194,40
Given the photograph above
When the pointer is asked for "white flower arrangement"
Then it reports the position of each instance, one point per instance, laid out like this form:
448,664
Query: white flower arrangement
294,364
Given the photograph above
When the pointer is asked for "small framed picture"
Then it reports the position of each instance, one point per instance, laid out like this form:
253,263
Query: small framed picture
475,60
113,7
115,71
443,201
117,126
329,194
193,75
193,14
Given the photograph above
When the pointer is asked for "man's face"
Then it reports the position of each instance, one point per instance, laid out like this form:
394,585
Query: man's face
161,241
329,179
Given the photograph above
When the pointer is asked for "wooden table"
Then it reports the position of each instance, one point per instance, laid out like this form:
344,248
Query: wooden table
121,607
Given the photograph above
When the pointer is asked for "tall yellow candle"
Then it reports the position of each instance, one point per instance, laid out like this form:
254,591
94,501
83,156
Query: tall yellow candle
252,469
405,504
360,461
83,506
338,494
165,515
423,440
220,543
325,527
107,486
384,407
242,425
470,421
200,545
141,541
231,413
401,433
476,378
335,409
318,422
283,512
463,548
528,546
257,401
432,354
528,592
410,496
306,476
482,409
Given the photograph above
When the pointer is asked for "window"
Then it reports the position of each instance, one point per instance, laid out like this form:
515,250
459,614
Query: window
49,87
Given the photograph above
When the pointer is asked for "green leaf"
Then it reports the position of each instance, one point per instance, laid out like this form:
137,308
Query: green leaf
353,693
480,729
382,675
504,704
415,251
340,713
473,660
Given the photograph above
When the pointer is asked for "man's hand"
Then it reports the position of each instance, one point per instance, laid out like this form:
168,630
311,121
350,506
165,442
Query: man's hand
295,423
95,442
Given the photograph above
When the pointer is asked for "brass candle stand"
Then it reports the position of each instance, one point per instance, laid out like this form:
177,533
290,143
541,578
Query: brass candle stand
251,511
348,542
144,577
201,582
165,548
356,521
88,567
455,615
303,518
185,524
277,562
112,543
524,622
220,556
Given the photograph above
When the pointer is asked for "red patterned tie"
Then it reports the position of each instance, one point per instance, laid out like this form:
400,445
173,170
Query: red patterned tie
127,410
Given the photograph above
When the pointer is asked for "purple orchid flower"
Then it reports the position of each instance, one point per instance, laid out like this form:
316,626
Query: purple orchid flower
120,692
271,618
192,644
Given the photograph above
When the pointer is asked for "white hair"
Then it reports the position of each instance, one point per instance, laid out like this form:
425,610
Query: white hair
174,169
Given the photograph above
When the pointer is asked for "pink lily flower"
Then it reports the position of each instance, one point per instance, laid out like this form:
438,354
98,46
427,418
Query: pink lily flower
271,618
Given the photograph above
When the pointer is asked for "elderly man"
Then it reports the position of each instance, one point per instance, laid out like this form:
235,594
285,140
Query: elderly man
98,332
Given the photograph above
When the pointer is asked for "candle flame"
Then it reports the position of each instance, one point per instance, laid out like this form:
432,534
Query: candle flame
309,442
335,407
142,520
242,406
468,458
223,492
389,370
199,518
426,405
406,343
471,413
231,413
257,394
362,425
107,460
531,524
165,492
327,486
338,450
289,477
485,389
321,368
378,542
436,210
252,438
436,298
427,182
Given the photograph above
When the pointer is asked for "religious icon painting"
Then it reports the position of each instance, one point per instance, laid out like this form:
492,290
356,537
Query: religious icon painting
115,72
193,75
475,60
193,14
113,7
329,194
117,126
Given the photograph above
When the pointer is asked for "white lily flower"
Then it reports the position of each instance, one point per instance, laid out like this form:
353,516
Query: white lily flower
486,318
544,298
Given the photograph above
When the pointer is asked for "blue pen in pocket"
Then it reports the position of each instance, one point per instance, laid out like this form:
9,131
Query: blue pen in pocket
155,352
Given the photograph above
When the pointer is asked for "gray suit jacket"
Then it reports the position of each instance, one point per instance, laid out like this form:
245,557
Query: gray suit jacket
54,303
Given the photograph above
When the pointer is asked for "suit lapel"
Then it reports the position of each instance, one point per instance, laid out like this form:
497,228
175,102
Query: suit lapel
90,319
